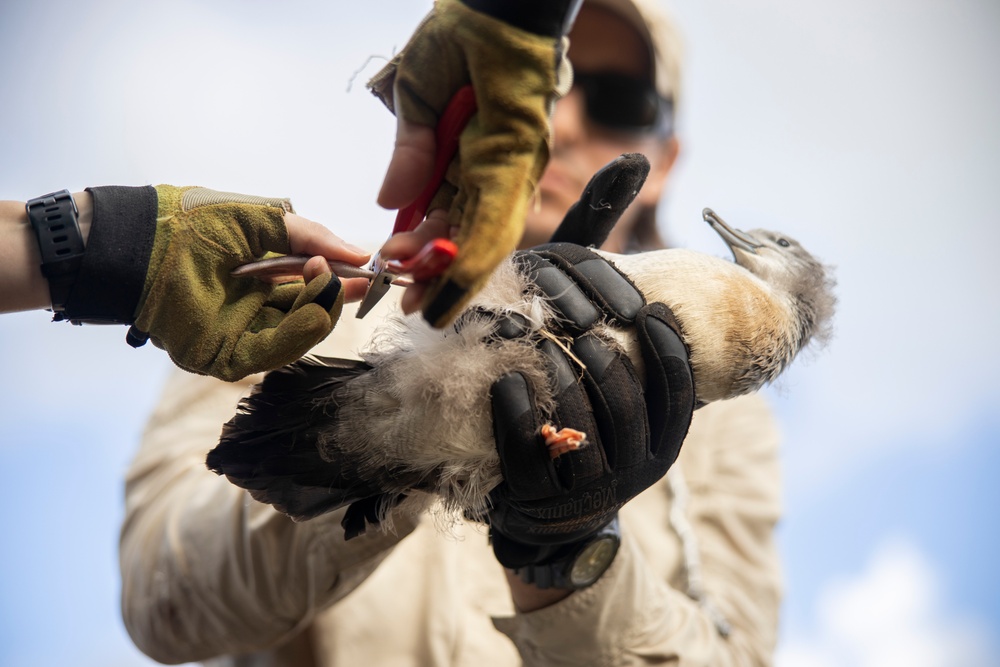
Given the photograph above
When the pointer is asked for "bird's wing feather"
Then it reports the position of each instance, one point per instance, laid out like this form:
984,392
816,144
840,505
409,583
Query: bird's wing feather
271,447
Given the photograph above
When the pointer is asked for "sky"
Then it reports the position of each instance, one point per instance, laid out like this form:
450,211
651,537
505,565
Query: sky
866,130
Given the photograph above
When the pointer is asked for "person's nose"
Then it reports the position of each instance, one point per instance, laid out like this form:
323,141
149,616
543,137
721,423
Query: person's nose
569,120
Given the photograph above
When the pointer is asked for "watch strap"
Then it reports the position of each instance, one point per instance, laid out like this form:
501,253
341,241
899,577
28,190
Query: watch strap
54,218
577,565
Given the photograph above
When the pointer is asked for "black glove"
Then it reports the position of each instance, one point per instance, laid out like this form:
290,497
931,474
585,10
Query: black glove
546,505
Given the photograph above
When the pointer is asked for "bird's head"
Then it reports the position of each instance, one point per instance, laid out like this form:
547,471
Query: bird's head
788,268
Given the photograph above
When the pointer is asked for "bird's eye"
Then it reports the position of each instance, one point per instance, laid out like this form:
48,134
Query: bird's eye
783,243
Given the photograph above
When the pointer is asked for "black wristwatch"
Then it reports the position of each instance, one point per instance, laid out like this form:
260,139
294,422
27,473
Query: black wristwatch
54,218
582,566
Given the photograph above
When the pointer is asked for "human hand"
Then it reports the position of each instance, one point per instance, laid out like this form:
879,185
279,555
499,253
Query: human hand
515,73
634,428
213,324
160,259
311,239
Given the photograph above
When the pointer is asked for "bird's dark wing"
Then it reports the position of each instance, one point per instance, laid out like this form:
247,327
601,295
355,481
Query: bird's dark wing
271,446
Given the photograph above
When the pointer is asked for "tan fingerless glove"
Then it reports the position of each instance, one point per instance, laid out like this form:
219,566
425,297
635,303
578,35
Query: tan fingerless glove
505,146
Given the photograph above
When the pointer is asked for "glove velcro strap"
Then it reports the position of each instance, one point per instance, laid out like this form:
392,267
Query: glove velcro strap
114,267
603,284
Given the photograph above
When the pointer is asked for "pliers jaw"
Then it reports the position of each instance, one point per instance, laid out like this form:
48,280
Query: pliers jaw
377,288
432,260
429,263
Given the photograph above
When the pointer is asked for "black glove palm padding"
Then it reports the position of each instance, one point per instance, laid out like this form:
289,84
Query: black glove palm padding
634,434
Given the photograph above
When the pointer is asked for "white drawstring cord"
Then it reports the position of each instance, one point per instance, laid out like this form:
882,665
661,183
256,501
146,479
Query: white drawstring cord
689,547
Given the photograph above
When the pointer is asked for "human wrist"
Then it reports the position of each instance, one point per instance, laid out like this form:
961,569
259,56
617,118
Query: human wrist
569,565
24,287
552,18
528,597
85,213
54,222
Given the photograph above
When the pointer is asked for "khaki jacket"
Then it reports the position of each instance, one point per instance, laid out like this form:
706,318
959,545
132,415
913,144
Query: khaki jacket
210,575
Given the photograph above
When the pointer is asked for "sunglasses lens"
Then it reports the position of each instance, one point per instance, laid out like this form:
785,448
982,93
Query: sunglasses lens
621,102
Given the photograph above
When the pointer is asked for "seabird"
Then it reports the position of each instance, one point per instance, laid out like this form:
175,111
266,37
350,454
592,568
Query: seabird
415,415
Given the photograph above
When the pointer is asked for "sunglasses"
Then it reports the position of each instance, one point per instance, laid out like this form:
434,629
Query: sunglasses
625,104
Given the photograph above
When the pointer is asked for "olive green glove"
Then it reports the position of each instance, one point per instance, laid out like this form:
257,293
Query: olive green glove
516,75
160,259
209,322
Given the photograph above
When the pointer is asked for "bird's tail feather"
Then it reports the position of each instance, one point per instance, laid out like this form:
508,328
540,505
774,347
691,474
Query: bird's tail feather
367,511
271,447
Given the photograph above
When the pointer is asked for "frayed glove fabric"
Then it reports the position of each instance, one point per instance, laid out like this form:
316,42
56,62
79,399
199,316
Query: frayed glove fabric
504,148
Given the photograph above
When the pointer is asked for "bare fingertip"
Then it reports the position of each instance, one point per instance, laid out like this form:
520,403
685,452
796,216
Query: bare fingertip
357,249
316,266
410,303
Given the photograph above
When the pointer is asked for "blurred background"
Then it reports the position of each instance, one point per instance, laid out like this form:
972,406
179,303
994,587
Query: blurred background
867,130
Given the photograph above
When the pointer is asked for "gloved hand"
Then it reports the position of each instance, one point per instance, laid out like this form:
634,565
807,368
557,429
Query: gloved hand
511,53
285,445
168,251
634,434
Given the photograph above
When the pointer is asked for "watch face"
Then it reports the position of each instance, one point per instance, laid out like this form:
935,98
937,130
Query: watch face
593,561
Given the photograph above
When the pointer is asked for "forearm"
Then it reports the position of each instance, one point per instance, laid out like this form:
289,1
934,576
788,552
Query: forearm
206,571
22,285
528,597
630,618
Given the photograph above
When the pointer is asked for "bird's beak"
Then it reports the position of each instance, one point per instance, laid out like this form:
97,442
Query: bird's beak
733,237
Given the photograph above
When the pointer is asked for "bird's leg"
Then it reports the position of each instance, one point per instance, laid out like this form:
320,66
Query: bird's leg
562,441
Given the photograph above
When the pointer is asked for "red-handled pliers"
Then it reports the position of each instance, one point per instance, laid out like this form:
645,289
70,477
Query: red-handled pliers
438,254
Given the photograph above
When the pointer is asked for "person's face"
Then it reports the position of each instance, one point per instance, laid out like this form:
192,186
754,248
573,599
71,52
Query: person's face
600,42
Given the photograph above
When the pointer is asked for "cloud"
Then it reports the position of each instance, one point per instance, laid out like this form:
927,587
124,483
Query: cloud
826,153
893,613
